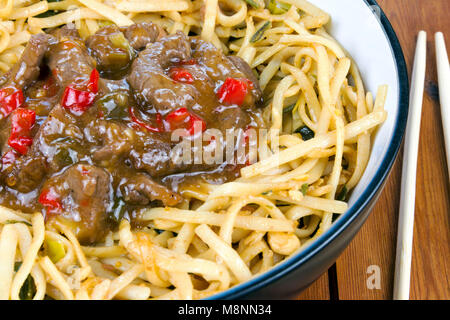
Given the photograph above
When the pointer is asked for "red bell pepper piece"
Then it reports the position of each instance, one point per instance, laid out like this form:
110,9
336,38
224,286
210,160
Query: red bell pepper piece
145,125
50,199
21,123
10,100
233,91
182,119
181,75
78,101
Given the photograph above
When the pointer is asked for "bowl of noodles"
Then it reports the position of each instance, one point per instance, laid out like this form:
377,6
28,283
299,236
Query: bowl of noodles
270,227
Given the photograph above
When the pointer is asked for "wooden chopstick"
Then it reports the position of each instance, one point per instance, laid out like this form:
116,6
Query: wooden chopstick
408,188
444,90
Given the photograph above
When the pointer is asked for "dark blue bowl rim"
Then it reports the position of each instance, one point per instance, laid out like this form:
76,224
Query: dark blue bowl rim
366,197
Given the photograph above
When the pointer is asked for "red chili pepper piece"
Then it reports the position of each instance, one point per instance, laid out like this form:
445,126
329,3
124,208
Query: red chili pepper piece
181,75
182,119
50,199
10,100
143,124
21,123
78,101
93,81
233,91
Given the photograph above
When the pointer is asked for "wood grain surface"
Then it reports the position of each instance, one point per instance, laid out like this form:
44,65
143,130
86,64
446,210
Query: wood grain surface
375,243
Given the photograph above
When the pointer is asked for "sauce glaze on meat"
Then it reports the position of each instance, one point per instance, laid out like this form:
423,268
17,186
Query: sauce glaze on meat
94,166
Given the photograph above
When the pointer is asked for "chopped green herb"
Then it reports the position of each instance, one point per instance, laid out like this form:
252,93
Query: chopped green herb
48,13
17,221
252,3
305,132
289,108
304,189
260,32
277,7
266,193
342,194
28,289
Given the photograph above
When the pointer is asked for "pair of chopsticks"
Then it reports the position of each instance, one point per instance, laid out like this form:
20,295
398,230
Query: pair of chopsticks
408,189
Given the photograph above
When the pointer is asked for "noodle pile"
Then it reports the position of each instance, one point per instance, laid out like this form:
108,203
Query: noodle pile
221,235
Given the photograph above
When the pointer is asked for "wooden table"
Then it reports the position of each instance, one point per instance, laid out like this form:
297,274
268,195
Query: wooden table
375,243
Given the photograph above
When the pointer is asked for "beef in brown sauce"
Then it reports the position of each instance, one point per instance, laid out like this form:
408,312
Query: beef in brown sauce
27,69
142,190
117,151
111,50
141,34
86,194
149,80
69,59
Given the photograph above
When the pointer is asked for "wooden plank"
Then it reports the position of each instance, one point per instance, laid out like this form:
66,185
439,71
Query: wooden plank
375,244
317,291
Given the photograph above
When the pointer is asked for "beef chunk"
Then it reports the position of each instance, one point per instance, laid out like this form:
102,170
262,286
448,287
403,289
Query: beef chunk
142,190
85,192
27,69
66,31
219,67
111,50
247,71
156,157
22,173
148,78
55,138
141,34
25,174
117,140
231,117
69,60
